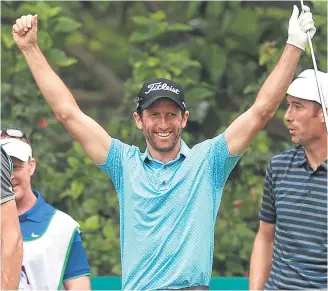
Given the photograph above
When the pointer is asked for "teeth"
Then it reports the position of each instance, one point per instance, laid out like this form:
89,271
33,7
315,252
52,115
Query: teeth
163,134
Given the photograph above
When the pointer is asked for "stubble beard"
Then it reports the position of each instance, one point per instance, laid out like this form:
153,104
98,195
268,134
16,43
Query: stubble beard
162,149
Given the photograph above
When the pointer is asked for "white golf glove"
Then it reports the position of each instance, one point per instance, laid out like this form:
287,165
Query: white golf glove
299,26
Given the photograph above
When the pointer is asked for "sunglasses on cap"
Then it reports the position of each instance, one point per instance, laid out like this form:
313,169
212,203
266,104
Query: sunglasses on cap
14,132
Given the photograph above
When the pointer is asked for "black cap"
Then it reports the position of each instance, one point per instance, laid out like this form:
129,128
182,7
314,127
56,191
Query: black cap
160,88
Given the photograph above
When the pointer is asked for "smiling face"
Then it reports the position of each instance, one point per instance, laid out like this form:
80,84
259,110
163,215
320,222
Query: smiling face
161,125
21,177
305,121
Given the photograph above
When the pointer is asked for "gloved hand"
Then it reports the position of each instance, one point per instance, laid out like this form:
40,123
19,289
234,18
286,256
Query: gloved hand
299,26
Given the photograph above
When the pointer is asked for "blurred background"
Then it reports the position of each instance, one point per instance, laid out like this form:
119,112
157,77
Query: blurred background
220,51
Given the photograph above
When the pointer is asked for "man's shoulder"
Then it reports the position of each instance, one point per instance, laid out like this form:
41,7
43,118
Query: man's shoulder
210,142
287,154
288,158
65,217
120,146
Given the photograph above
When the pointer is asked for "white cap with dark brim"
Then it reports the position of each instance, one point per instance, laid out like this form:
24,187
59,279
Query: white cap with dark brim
17,148
305,86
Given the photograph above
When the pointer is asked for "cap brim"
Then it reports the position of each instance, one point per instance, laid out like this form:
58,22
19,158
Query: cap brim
151,101
17,149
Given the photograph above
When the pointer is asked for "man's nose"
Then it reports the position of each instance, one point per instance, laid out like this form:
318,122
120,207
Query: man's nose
164,124
288,115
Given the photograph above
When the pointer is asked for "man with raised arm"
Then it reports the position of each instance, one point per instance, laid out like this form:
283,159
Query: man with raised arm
290,248
169,196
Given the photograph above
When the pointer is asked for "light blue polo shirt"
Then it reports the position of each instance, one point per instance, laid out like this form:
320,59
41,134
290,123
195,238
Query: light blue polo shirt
168,212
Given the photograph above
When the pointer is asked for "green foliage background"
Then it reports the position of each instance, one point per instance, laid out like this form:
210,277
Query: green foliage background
220,51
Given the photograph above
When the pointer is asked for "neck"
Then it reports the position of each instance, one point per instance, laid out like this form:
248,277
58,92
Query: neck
165,157
26,202
316,152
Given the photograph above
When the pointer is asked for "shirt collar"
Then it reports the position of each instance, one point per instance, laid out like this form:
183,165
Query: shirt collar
302,159
184,151
324,165
33,214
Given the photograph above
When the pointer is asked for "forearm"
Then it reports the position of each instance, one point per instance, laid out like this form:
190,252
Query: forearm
11,260
275,87
80,283
52,87
261,261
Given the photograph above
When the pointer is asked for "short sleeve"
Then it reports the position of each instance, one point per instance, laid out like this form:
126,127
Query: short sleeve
116,159
223,161
77,263
268,208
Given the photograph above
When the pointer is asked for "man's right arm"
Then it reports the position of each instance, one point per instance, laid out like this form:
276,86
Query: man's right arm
11,246
92,137
261,259
11,238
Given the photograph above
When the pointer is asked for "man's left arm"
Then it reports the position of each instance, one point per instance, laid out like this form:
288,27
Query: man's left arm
243,130
77,272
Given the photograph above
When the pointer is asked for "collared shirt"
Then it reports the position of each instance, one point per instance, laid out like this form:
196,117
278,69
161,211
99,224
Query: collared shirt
34,223
168,212
295,199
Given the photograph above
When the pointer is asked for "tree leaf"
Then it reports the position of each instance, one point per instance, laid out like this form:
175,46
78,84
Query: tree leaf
179,27
60,58
215,58
66,24
158,15
141,20
76,189
91,223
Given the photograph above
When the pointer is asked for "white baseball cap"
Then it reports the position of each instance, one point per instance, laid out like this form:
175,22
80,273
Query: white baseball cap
305,86
17,148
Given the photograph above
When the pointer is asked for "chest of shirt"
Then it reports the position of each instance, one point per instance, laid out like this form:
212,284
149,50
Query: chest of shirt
35,226
300,199
150,179
299,186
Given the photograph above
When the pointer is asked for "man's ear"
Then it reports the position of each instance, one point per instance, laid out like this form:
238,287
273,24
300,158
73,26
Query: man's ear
322,116
185,119
32,165
138,119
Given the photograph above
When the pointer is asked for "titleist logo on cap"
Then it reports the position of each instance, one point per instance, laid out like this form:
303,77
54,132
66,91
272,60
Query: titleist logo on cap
159,86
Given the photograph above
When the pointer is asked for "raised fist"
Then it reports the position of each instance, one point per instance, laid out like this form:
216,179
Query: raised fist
25,31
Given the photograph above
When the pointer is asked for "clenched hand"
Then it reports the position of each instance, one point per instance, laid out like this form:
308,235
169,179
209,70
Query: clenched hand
25,31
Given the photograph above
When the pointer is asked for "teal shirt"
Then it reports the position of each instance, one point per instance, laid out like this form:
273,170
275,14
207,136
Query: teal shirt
168,212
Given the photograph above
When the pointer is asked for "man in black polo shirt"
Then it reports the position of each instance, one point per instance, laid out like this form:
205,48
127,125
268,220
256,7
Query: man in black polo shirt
290,249
11,239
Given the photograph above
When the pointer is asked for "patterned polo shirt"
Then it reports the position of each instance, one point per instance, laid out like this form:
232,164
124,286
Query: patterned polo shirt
168,212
